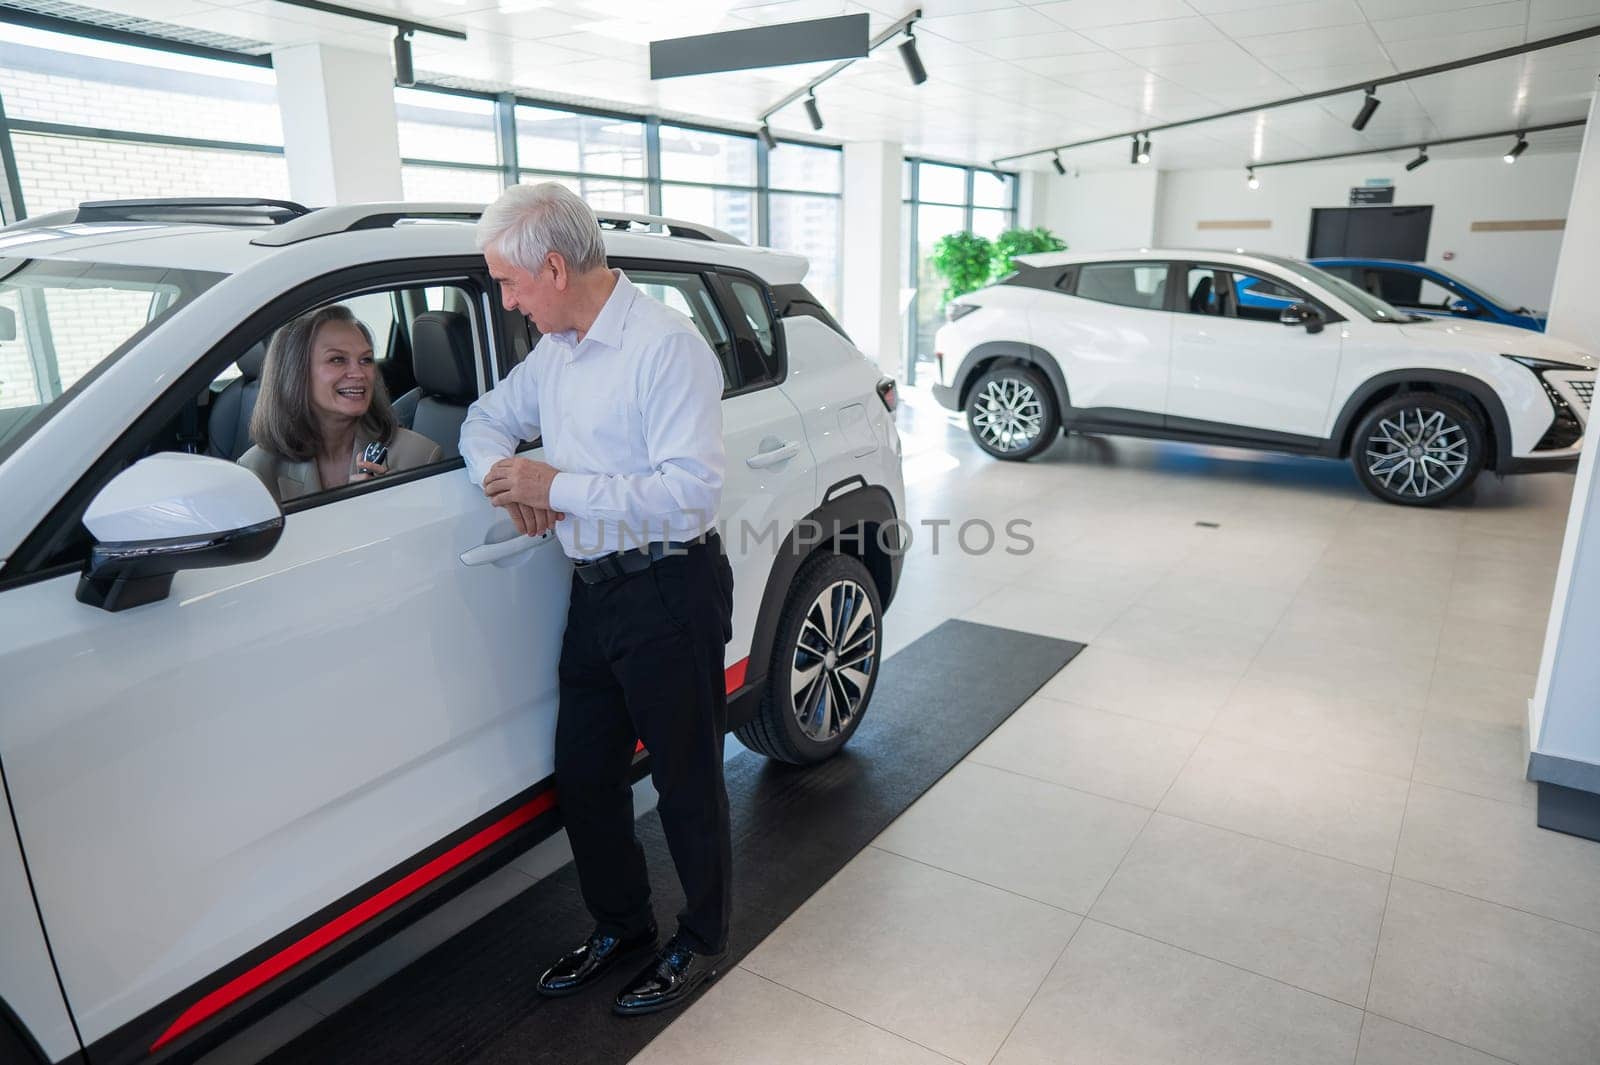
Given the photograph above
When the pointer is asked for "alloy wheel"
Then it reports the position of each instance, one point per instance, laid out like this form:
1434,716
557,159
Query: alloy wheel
1008,414
834,658
1417,452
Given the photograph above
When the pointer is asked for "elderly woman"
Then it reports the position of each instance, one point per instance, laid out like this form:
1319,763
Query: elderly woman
322,403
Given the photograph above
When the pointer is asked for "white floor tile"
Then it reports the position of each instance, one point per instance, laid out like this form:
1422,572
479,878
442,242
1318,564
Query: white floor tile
1298,800
1508,983
1378,737
1047,842
1300,918
1092,750
1121,999
1375,675
1478,693
1186,639
1046,612
1475,757
1168,693
1386,1042
931,956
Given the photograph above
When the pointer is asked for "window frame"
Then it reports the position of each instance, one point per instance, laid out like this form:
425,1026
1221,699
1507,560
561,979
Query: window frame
36,558
1175,270
1329,315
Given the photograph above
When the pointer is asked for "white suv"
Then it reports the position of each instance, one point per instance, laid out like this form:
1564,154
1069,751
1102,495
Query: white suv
238,741
1258,351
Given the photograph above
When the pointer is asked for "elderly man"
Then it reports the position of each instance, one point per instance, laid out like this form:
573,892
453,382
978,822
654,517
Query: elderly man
628,400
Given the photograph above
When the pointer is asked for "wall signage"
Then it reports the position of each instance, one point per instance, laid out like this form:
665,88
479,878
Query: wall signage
1371,196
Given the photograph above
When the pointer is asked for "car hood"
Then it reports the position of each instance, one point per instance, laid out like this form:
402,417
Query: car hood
1489,338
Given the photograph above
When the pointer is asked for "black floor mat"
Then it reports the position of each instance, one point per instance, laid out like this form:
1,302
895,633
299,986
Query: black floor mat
472,999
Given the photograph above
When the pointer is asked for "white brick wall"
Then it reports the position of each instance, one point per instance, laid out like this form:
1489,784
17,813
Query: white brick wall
60,172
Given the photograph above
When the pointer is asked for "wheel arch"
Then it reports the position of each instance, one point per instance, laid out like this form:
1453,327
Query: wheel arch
855,519
1478,396
1010,352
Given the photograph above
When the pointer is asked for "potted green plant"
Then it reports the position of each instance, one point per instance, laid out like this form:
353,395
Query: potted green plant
962,261
1015,242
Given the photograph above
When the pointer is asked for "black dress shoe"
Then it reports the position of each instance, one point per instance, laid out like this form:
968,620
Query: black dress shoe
577,969
674,975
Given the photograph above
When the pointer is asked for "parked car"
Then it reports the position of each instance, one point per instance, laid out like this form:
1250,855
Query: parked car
1159,344
1427,290
240,741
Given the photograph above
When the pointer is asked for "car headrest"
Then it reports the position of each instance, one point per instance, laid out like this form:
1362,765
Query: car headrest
442,355
250,362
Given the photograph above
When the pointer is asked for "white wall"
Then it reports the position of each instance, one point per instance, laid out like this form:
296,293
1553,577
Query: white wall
1103,210
339,133
871,251
1519,267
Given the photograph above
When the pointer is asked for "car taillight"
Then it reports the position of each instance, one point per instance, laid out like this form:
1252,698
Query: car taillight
887,393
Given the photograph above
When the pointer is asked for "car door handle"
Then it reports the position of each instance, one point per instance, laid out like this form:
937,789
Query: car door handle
782,453
484,554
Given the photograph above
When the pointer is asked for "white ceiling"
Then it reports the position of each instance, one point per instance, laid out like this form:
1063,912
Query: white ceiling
1008,76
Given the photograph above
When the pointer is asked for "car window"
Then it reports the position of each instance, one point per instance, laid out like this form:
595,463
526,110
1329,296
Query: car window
687,294
60,321
1261,299
1125,284
753,304
1206,291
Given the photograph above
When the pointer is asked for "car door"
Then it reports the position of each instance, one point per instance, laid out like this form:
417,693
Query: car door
1234,365
215,786
1112,337
771,475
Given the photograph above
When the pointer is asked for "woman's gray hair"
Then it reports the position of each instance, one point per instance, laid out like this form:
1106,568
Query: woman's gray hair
529,222
282,423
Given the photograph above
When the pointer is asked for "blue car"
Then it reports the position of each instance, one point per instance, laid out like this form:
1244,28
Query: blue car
1430,291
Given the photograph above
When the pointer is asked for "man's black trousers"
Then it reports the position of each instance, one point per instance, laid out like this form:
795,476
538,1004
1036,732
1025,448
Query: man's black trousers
643,659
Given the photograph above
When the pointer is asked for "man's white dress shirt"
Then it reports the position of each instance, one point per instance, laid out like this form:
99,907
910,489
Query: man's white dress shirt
632,417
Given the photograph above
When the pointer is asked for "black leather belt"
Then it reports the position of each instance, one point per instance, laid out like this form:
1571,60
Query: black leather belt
636,560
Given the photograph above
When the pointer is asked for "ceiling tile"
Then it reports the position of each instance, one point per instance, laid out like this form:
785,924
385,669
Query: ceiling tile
1037,46
989,25
1090,14
1064,66
1287,18
1546,10
1179,31
1492,16
1410,55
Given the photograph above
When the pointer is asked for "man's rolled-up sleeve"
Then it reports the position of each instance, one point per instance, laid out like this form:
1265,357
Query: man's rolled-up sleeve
681,402
501,419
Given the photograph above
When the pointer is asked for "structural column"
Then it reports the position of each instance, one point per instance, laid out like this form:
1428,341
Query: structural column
339,133
1563,722
872,238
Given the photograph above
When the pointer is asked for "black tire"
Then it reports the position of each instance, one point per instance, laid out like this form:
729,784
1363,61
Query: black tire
1418,449
777,730
1012,412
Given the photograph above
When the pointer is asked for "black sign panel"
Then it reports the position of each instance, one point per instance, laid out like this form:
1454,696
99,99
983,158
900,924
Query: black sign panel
1369,195
842,37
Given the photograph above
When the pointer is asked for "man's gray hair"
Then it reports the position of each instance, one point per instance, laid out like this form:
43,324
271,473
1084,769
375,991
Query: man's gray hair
529,222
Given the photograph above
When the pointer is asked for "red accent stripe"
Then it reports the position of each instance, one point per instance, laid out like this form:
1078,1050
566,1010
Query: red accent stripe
733,676
354,918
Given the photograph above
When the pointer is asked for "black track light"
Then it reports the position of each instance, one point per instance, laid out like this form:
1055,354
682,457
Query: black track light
812,112
1422,157
1368,106
1517,149
766,137
913,61
1055,161
1144,152
404,73
1250,177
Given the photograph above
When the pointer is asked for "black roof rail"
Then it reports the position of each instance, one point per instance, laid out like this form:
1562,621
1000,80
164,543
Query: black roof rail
218,210
673,227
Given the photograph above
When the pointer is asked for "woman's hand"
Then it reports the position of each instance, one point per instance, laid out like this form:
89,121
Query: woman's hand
367,470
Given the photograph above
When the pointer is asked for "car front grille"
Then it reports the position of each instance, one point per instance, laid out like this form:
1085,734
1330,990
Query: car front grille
1585,391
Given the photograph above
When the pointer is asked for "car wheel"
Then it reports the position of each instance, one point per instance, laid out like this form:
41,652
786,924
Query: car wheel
1418,449
825,663
1012,413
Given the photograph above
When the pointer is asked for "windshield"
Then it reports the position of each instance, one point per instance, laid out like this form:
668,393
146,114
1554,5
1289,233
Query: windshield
1478,291
62,321
1368,305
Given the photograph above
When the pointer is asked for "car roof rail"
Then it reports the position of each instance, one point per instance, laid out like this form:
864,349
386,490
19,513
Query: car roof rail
672,227
351,217
215,210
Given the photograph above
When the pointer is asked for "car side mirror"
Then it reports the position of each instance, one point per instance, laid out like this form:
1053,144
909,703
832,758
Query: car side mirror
1464,309
169,512
1302,314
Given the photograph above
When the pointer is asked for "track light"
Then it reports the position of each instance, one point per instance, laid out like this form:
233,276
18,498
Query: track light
1516,149
404,73
1368,106
1251,179
1144,152
766,136
908,53
1422,157
812,112
1055,161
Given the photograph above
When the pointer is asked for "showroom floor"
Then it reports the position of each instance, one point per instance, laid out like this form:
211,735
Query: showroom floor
1273,814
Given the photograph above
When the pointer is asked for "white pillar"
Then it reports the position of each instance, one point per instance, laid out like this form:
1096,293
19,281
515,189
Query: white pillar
339,133
1033,197
1563,728
872,281
1574,312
